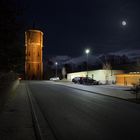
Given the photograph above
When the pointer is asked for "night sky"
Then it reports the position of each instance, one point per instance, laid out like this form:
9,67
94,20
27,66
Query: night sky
70,26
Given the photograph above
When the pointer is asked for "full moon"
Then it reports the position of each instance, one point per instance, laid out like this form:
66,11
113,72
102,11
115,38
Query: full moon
124,23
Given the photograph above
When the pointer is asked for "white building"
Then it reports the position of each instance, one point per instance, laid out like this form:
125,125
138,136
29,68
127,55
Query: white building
104,76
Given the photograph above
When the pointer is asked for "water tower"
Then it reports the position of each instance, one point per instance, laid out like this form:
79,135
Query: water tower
33,52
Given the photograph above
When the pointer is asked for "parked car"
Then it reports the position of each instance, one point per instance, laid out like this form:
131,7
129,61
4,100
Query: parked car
90,81
96,82
54,79
85,80
77,80
20,77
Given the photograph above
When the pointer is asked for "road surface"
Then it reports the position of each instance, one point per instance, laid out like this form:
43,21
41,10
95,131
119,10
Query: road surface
78,115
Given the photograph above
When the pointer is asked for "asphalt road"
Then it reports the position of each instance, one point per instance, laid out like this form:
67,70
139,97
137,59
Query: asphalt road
78,115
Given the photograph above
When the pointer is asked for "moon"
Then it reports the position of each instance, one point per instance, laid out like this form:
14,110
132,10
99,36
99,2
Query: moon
124,23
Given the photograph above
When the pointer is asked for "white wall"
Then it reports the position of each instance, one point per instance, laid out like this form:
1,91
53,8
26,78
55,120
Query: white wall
104,76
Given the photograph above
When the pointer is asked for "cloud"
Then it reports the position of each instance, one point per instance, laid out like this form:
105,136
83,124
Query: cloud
61,58
131,53
94,59
80,59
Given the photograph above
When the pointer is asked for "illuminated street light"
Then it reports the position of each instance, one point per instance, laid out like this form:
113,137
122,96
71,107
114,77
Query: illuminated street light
56,69
87,51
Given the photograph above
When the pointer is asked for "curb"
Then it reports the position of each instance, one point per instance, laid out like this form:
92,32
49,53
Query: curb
98,93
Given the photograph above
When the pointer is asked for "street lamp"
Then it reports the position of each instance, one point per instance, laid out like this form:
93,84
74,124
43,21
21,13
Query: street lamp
87,51
56,69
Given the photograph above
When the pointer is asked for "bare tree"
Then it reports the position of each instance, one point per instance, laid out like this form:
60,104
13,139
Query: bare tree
138,62
107,67
64,72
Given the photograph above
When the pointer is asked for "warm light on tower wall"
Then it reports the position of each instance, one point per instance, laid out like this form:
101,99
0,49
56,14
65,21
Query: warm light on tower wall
33,61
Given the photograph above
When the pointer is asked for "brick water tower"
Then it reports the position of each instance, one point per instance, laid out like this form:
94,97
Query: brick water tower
33,52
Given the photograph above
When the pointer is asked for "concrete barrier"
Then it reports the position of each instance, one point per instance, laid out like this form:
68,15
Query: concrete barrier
8,84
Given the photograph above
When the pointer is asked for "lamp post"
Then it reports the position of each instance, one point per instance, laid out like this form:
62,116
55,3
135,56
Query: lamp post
87,51
56,69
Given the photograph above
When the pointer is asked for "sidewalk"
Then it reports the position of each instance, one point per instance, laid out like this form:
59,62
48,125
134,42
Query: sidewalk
121,92
19,125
